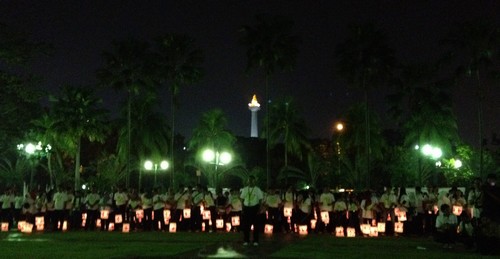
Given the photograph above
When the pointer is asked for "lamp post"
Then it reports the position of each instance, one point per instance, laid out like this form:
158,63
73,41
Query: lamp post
339,127
217,158
32,151
432,152
149,165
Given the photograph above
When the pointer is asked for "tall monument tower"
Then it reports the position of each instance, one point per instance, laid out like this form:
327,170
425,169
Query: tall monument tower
254,107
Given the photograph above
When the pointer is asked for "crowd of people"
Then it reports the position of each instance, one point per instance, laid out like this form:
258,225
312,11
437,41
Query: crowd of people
450,216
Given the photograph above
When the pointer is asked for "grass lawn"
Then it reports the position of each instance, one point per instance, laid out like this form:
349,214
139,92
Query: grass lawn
192,245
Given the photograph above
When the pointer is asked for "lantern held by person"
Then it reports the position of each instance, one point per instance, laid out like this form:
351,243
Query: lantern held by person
325,217
351,232
374,231
118,218
365,229
219,223
268,229
339,231
235,221
172,227
187,213
104,214
398,227
5,226
126,227
302,229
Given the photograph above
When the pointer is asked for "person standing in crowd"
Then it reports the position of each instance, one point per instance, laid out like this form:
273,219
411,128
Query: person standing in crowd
147,207
209,204
92,203
197,202
474,199
388,201
252,197
288,201
120,199
7,200
221,204
134,205
272,202
304,203
417,202
18,206
60,199
158,206
446,227
236,207
340,211
326,202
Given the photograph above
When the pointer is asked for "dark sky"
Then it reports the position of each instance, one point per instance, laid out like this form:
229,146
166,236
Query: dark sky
81,30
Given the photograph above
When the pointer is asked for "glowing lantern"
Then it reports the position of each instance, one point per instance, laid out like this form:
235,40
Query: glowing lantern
302,229
166,221
40,227
268,229
287,211
228,227
235,221
84,216
206,215
118,218
351,232
374,222
325,217
219,223
295,228
210,222
389,217
5,226
139,214
64,225
98,223
187,213
166,214
203,227
339,232
289,220
111,226
398,227
159,225
374,231
313,223
457,210
172,227
365,229
381,227
104,214
20,225
126,227
27,228
39,220
402,216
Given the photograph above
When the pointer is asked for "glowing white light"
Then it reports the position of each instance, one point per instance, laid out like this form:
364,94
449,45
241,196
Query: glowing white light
164,165
225,158
427,150
436,153
148,165
30,148
208,155
457,164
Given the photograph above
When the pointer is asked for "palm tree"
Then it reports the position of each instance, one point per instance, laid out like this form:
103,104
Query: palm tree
477,43
80,117
211,133
271,47
355,141
179,64
128,68
149,131
365,61
287,127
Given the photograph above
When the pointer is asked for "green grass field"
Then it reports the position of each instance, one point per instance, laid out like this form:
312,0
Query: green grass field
194,245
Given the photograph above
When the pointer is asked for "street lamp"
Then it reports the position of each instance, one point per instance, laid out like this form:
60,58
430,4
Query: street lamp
431,152
149,165
32,151
339,127
217,158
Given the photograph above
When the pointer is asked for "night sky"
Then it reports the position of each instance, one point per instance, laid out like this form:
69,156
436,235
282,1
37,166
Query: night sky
81,30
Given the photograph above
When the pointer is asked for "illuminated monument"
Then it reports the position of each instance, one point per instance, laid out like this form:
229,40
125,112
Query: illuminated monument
254,107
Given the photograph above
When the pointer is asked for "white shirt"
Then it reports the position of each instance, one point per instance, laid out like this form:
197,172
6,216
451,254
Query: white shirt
60,199
441,219
273,200
121,198
326,201
92,201
251,196
7,200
